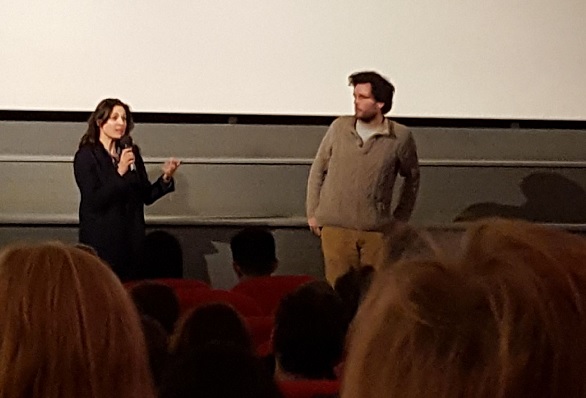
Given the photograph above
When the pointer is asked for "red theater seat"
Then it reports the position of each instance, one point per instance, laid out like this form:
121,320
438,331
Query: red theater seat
193,298
268,291
309,388
261,328
173,283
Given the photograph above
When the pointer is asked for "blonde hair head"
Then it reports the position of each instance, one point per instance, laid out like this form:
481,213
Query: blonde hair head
67,327
506,319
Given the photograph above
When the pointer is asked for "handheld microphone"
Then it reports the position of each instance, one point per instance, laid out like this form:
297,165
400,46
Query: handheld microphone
126,142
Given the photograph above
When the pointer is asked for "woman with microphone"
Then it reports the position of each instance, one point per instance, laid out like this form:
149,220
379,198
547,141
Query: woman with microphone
114,188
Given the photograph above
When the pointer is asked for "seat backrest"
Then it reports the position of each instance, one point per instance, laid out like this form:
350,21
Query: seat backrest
173,283
265,349
261,328
183,283
192,298
269,290
309,388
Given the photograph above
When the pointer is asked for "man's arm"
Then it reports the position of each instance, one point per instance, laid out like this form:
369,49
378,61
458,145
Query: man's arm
409,169
317,174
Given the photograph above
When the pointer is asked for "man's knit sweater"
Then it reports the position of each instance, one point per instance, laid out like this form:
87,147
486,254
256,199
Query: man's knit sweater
351,183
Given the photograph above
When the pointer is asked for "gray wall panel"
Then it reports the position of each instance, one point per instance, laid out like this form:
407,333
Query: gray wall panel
239,171
501,144
255,141
163,140
38,189
39,138
236,191
241,174
542,194
38,193
228,191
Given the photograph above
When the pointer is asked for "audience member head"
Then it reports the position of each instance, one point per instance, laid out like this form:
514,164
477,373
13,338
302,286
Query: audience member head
253,252
210,322
352,287
406,242
100,116
219,369
157,301
505,319
157,345
163,256
309,334
67,327
87,248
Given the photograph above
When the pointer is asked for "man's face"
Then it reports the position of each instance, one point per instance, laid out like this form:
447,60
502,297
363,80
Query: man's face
365,106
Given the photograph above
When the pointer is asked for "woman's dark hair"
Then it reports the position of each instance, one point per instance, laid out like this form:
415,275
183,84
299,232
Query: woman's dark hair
100,116
352,287
218,369
210,322
157,301
310,330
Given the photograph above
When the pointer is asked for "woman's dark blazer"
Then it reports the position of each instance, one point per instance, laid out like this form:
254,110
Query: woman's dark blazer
111,210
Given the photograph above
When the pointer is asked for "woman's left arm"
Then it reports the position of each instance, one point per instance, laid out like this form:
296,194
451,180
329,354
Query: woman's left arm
162,186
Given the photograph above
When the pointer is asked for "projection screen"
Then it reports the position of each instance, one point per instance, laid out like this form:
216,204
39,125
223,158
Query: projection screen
497,59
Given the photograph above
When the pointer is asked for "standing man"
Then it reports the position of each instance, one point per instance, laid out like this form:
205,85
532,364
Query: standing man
350,185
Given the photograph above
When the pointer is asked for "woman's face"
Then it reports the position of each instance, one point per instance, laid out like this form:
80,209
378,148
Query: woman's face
115,127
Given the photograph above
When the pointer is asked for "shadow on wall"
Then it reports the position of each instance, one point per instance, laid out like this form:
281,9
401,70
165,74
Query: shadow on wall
550,198
194,249
195,244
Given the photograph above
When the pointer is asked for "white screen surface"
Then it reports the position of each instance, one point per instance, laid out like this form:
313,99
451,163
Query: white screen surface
508,59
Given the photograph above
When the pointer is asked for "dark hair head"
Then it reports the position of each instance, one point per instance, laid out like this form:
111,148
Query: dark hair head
99,116
157,346
163,256
219,370
157,301
310,330
253,250
87,248
210,322
352,287
382,90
